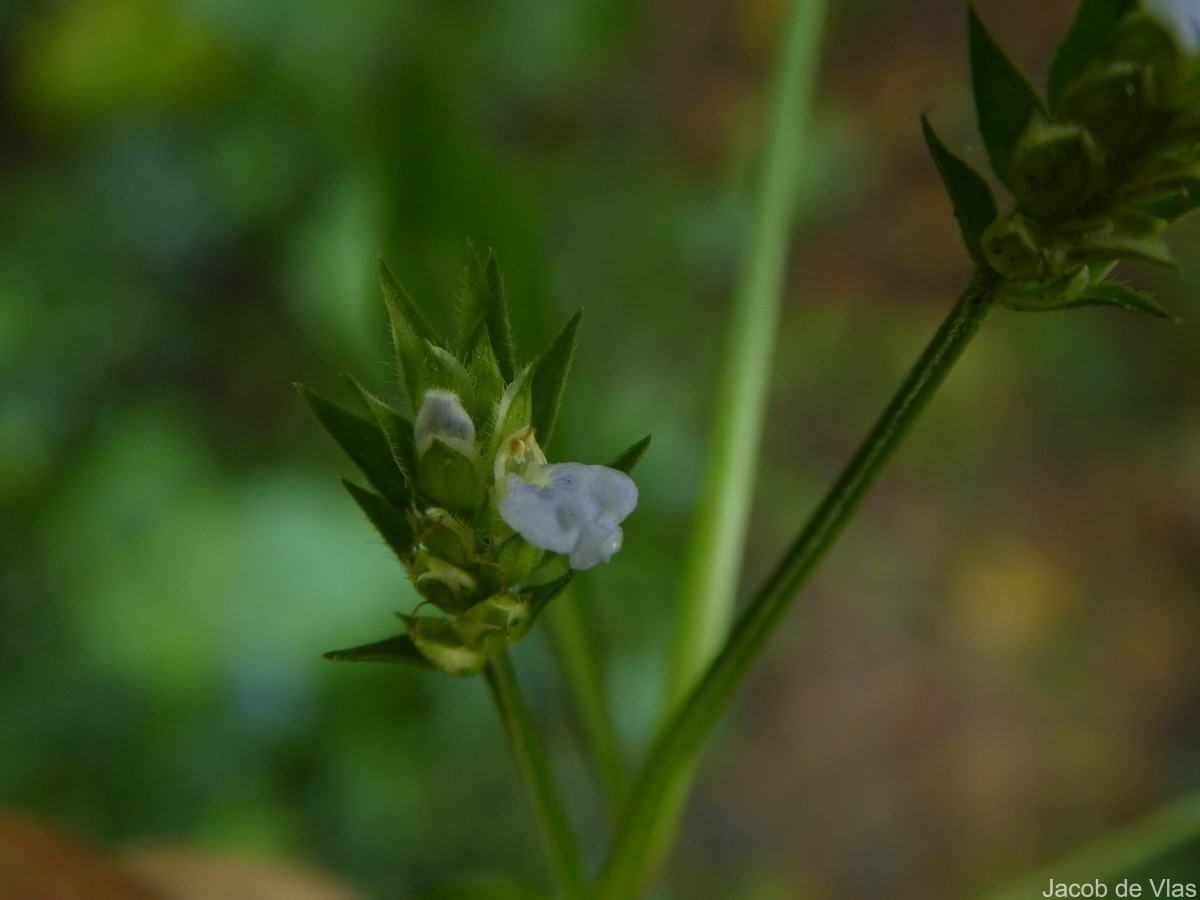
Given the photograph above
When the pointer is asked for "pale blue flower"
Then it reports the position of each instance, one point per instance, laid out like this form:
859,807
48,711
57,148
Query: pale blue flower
1182,17
442,416
570,508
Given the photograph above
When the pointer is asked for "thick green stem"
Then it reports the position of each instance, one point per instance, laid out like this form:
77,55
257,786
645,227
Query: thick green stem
710,570
670,760
565,861
1117,854
574,646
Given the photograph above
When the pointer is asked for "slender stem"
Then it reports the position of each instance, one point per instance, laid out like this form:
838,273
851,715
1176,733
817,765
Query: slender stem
574,646
565,861
635,850
1119,852
712,564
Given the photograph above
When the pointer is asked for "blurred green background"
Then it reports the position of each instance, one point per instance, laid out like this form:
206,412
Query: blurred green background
997,663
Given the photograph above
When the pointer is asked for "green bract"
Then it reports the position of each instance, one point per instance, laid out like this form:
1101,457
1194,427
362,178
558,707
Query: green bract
1097,169
440,463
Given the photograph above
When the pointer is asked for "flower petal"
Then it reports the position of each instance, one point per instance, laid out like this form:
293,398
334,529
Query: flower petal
533,512
442,415
577,510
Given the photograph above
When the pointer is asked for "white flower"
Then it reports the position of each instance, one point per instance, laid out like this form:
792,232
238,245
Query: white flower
570,508
1182,18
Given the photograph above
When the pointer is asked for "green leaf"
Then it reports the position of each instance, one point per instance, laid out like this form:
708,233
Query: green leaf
972,200
364,443
410,334
443,370
485,309
1089,34
515,410
489,387
1114,294
1004,100
550,379
539,597
627,459
1105,249
397,429
399,649
392,524
1172,205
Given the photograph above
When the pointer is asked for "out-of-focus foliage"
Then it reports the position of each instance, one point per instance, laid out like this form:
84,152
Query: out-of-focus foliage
998,661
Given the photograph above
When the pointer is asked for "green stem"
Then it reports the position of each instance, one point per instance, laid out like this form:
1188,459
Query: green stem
671,758
574,647
708,584
712,564
565,861
1118,853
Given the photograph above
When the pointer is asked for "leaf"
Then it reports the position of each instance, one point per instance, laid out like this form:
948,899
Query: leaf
443,371
540,596
485,309
392,524
1004,100
627,459
397,429
364,443
410,334
972,200
1099,250
515,410
1088,35
550,379
1176,203
398,649
1114,294
489,387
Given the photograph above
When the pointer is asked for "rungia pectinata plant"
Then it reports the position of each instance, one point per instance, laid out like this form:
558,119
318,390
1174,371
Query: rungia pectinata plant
490,531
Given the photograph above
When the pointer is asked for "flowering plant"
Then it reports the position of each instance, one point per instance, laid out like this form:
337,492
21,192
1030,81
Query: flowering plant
490,531
463,493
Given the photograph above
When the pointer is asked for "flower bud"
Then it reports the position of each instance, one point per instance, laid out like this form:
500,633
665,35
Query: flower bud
1056,169
442,416
1181,18
508,614
444,536
1115,103
448,465
518,558
1012,249
1046,294
445,585
456,648
1159,38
